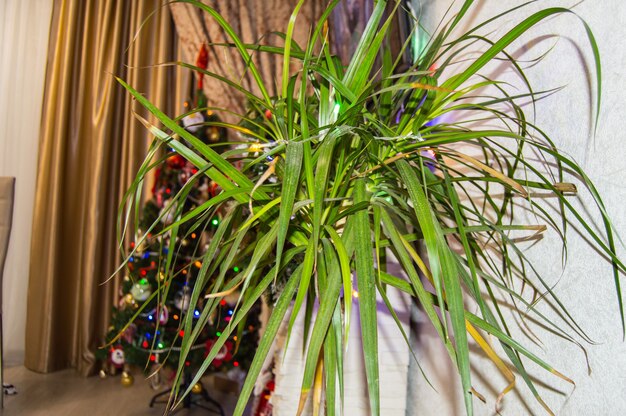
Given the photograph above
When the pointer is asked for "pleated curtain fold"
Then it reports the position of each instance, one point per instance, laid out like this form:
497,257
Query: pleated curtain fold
90,148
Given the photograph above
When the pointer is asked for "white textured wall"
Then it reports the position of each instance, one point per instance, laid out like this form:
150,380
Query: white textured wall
585,285
24,28
393,363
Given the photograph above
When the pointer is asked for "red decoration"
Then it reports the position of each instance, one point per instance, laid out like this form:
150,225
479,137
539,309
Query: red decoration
116,356
202,62
157,176
176,161
268,114
129,333
265,408
214,189
224,355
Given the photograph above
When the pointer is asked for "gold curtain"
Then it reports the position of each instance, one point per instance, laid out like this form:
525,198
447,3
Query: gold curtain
90,148
254,21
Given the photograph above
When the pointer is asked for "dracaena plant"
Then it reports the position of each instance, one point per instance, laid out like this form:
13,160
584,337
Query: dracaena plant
352,161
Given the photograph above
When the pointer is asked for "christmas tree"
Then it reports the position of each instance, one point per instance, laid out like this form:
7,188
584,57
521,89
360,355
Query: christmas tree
147,324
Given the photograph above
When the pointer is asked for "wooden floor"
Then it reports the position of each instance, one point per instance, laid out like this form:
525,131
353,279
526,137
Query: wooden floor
65,393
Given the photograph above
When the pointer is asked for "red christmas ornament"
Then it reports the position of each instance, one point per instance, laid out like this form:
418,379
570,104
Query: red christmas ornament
157,176
202,62
224,355
129,333
268,114
176,161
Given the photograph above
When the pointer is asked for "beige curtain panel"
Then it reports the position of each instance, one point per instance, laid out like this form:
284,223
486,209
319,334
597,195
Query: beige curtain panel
90,148
254,21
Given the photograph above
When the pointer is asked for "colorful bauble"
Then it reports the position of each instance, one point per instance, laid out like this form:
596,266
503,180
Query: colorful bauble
126,301
193,122
197,388
127,379
182,299
224,355
117,356
213,133
168,213
163,314
141,290
129,333
176,161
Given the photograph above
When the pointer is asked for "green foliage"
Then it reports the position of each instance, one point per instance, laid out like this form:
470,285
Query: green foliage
348,162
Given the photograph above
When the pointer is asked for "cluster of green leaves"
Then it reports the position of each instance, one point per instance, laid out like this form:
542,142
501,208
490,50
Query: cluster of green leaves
355,164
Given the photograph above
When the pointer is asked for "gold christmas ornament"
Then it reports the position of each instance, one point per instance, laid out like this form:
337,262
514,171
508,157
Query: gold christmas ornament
197,388
127,379
128,299
102,374
214,134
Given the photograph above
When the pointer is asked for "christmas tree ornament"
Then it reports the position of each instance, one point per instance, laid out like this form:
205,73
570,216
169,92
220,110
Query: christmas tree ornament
129,333
224,355
193,122
182,298
127,379
213,133
127,300
164,315
143,242
117,356
176,161
197,388
168,213
141,290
